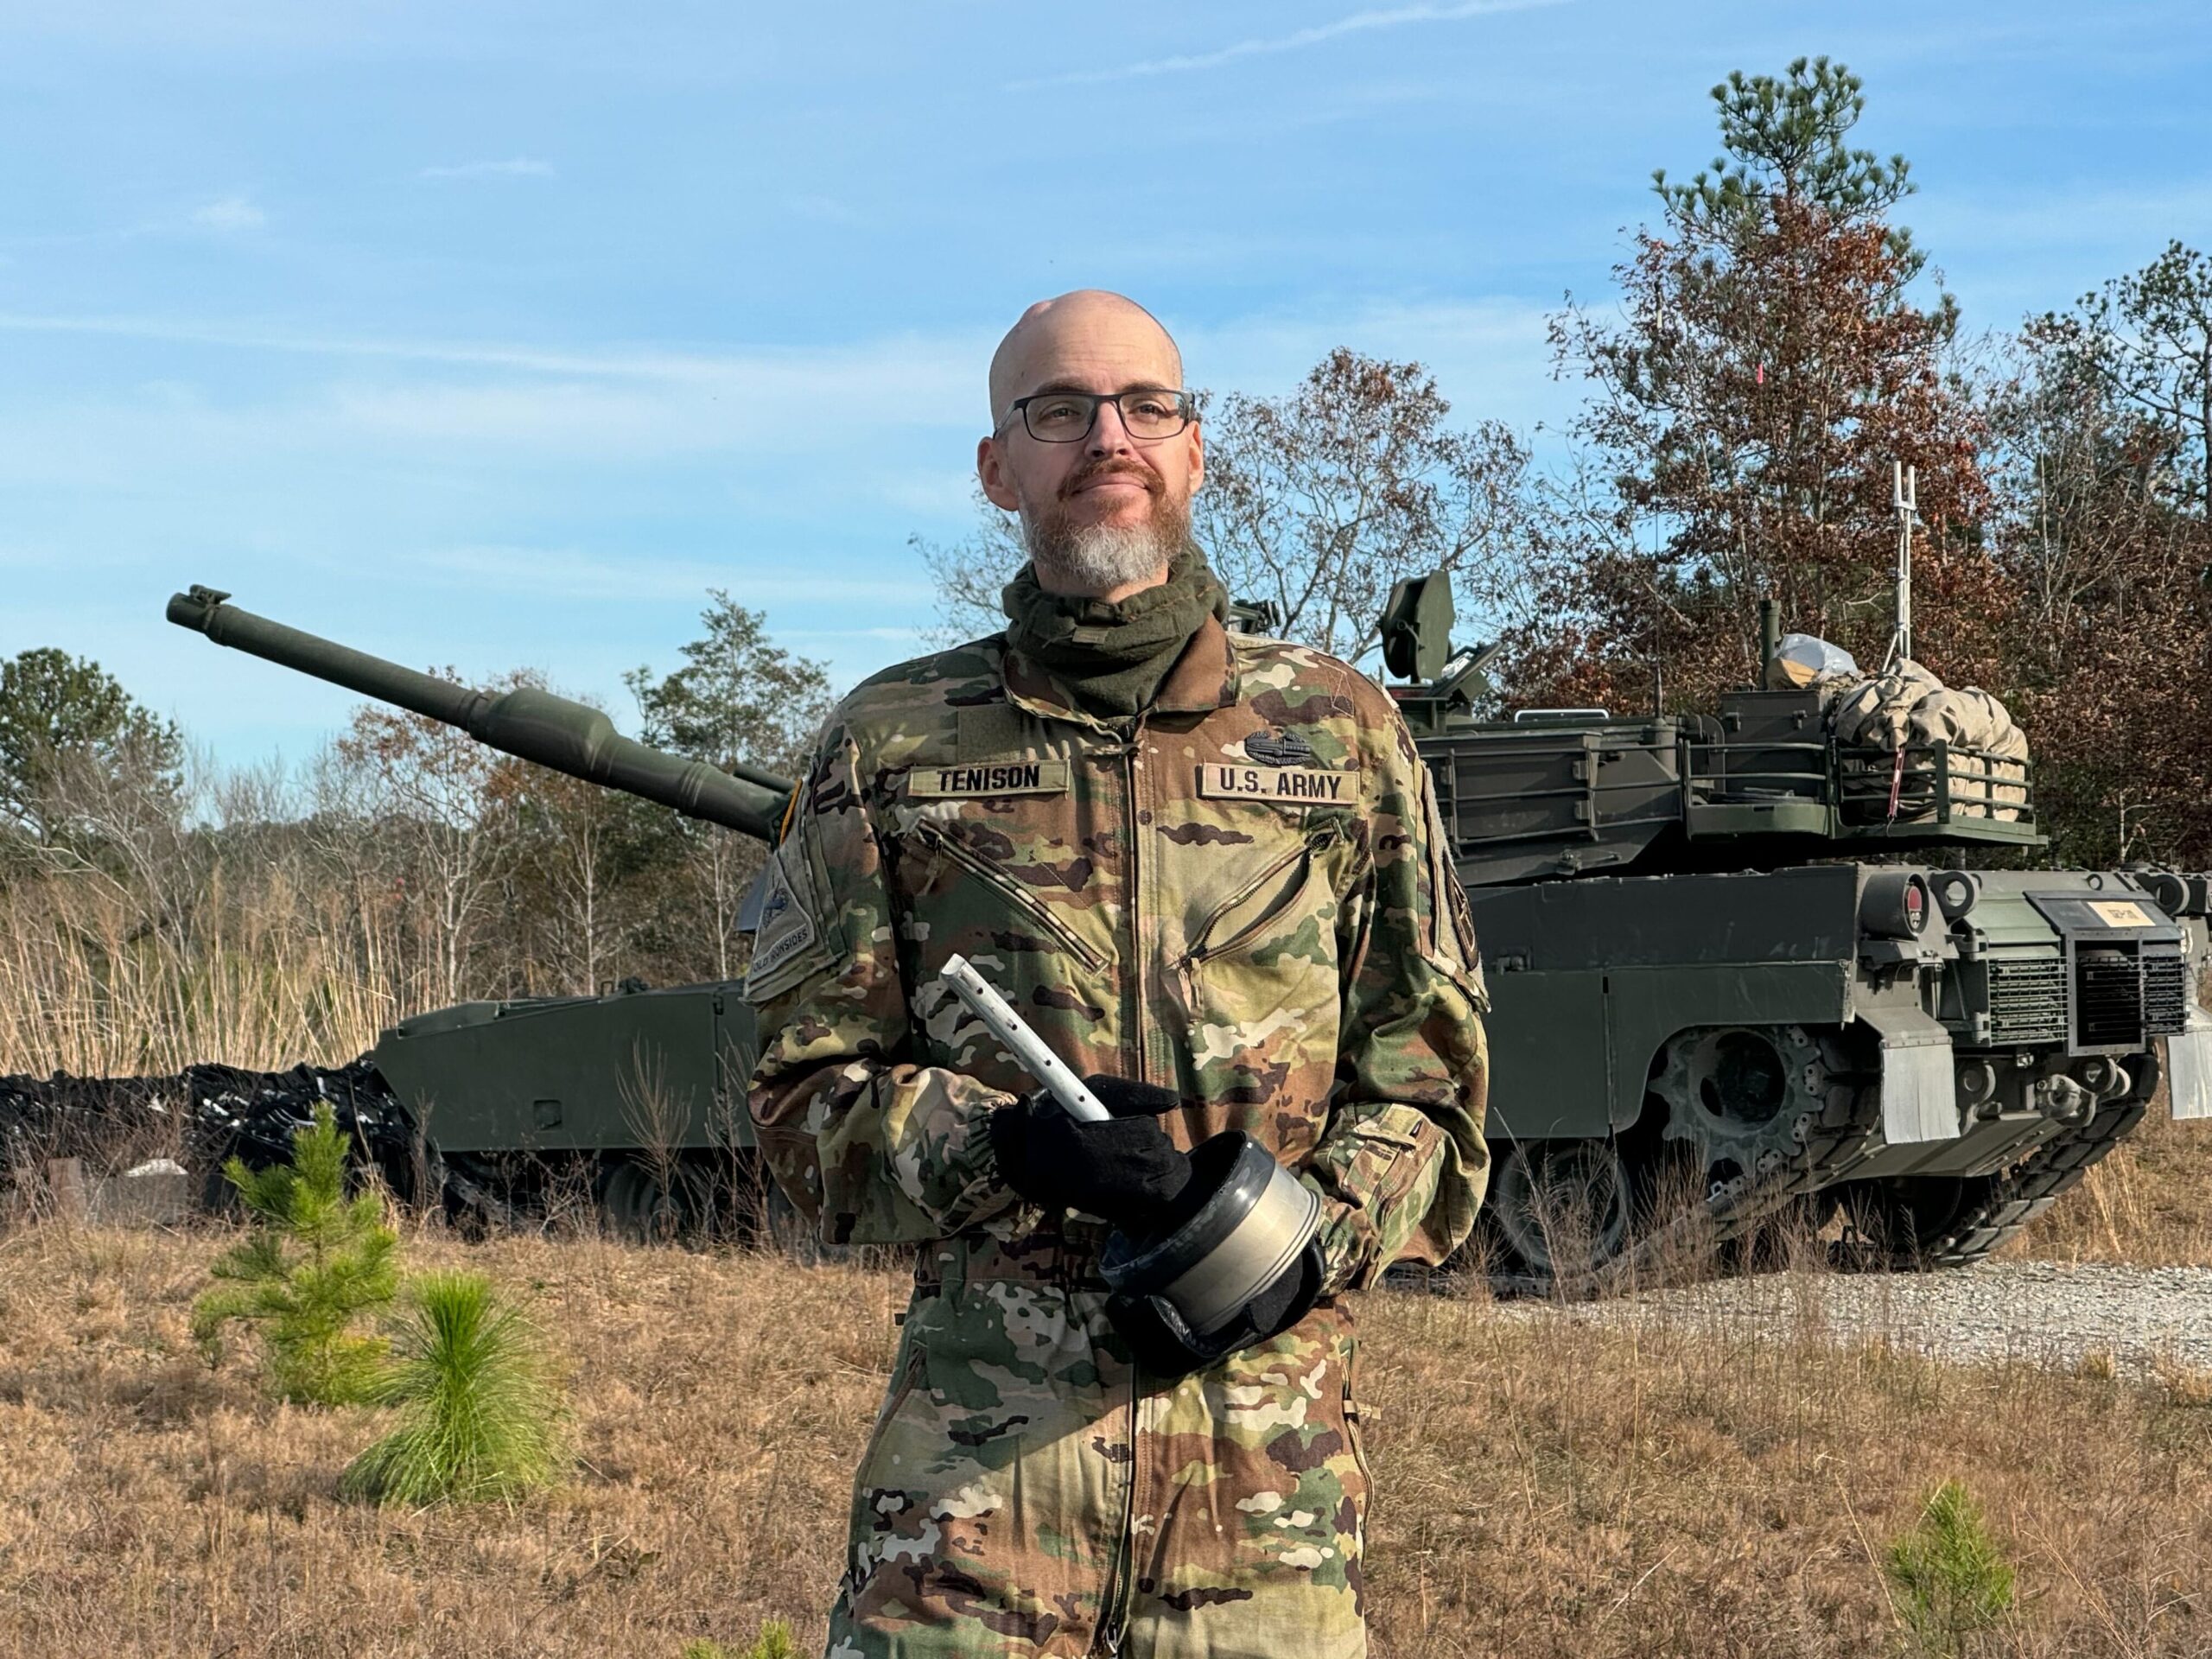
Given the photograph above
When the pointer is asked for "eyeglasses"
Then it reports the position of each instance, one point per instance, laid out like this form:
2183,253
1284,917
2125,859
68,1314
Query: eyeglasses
1147,413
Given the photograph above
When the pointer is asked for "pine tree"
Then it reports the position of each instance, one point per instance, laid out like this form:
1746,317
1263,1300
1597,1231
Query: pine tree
479,1413
315,1262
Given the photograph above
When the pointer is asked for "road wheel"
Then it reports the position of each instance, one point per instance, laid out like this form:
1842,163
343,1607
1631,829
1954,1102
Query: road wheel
1562,1208
635,1205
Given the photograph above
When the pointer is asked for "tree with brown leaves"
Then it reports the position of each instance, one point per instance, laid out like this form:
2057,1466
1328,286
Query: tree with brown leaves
1767,367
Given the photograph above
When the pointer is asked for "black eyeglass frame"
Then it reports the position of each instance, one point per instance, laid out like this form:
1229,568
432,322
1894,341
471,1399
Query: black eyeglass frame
1186,402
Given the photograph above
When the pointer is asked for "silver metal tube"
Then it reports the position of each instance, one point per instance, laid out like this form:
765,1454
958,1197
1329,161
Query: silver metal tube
1025,1045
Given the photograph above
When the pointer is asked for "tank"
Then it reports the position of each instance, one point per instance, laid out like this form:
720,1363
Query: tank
1739,969
1736,970
632,1101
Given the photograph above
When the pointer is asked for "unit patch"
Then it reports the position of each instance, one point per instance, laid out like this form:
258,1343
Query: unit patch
989,778
1287,785
1280,747
785,930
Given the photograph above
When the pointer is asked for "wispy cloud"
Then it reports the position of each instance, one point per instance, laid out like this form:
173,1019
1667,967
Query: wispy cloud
229,213
518,167
826,210
902,362
1359,22
571,574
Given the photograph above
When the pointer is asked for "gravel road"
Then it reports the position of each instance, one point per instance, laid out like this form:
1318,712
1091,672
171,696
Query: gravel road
2046,1312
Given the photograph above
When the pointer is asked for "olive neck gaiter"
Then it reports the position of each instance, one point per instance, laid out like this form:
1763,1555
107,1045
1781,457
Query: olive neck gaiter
1112,657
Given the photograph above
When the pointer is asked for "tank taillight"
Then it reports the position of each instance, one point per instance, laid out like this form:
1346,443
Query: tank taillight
1895,904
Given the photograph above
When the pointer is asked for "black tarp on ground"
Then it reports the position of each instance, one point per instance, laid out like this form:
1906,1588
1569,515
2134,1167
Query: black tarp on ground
201,1117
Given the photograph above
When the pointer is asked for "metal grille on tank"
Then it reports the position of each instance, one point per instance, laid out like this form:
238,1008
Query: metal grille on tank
2027,1000
2165,991
2108,997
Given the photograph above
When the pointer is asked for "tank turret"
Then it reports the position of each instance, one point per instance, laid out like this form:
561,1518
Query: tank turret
638,1095
530,724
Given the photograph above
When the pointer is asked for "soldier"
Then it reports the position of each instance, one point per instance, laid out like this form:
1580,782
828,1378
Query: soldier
1208,870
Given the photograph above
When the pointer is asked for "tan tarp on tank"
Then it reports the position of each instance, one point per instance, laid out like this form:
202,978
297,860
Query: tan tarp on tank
1906,707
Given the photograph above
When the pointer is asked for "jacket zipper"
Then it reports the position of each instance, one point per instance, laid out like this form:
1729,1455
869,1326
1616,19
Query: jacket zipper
1113,1597
1020,898
1114,1593
1141,1027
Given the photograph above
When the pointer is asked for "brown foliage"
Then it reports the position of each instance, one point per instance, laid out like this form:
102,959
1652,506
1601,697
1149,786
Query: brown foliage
1764,377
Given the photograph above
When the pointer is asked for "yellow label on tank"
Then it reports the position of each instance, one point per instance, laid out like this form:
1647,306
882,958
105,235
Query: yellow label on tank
2119,912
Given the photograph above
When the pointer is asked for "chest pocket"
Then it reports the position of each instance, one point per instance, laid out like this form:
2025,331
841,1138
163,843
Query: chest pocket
1259,974
960,892
1274,905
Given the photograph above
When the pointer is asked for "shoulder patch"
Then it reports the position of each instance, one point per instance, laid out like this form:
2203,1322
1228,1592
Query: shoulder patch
786,945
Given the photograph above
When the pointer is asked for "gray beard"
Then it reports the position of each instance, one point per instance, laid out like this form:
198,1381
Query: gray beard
1097,558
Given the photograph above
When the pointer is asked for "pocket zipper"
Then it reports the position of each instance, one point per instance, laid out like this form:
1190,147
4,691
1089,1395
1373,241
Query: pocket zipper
1205,949
1022,900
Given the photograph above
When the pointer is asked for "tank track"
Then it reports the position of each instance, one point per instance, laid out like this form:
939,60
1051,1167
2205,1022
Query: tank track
1828,1138
1731,1210
2021,1194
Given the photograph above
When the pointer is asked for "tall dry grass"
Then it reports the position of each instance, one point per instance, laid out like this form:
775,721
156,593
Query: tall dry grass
249,967
1546,1484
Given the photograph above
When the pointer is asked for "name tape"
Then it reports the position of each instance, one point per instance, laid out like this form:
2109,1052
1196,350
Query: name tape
995,777
1289,785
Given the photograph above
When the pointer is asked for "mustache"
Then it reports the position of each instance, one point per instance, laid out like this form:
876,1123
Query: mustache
1084,477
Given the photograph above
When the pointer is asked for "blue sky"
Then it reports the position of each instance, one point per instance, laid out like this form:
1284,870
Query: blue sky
495,334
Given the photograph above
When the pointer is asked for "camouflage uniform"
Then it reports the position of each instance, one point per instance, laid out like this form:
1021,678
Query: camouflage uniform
1241,894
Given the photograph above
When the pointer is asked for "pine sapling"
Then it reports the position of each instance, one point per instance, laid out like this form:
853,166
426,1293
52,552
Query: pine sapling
314,1262
480,1414
775,1642
1957,1582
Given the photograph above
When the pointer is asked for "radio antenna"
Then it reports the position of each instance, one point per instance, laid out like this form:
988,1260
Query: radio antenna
1904,492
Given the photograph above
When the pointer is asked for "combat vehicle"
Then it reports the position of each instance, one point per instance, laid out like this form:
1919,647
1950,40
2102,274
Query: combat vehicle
1724,950
633,1100
1730,953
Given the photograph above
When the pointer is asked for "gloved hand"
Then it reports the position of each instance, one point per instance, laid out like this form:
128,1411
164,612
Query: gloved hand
1126,1097
1125,1171
1164,1347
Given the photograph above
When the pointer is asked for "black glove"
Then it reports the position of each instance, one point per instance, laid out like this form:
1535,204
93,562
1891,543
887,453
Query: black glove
1125,1171
1125,1097
1164,1347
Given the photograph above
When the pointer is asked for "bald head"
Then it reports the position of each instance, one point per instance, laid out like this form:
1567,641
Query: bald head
1089,328
1102,510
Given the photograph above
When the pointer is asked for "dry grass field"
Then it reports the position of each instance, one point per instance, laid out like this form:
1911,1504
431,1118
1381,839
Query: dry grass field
1546,1487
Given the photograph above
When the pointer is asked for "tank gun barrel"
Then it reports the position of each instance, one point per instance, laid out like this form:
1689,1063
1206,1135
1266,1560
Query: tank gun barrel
532,724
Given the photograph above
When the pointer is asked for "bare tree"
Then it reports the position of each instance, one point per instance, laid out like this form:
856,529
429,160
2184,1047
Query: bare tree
1318,501
433,789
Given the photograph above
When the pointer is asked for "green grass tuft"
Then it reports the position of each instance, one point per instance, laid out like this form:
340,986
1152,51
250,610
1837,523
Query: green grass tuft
775,1642
480,1414
1955,1580
314,1262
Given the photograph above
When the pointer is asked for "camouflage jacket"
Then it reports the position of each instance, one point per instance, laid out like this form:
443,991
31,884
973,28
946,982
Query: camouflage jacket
1241,894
